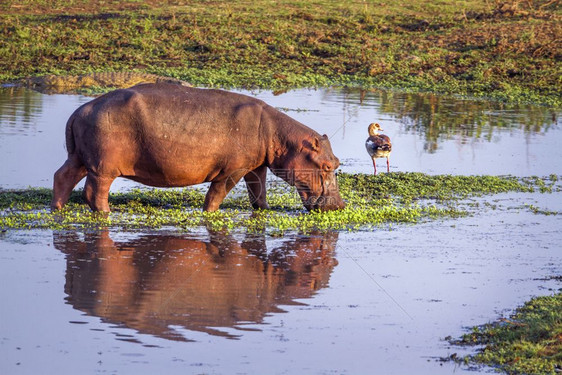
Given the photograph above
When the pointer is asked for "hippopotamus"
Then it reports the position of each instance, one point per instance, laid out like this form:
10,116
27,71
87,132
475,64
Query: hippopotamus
169,135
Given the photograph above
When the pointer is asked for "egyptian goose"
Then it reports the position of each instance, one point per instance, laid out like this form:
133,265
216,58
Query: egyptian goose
378,145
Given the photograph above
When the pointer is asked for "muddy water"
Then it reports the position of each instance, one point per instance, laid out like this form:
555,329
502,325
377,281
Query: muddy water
205,302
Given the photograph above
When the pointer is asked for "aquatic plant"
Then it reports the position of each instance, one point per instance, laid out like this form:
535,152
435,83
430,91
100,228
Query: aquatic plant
371,201
529,342
409,186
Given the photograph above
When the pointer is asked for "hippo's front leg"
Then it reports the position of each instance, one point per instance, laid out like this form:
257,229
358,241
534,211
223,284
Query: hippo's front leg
215,196
255,182
219,189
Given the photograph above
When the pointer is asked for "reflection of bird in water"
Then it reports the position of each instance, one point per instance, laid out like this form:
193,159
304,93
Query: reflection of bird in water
378,145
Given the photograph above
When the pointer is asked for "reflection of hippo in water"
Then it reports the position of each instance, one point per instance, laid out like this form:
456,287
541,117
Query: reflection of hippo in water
170,135
156,281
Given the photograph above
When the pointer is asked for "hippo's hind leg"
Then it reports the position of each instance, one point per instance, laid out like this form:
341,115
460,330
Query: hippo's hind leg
255,182
65,179
96,192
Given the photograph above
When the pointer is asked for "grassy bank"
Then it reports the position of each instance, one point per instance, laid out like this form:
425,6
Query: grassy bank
509,50
529,342
371,201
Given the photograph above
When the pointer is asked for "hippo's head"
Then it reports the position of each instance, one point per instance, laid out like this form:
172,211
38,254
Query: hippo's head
311,169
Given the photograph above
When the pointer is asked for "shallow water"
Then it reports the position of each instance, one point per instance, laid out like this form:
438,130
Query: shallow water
430,134
206,303
377,301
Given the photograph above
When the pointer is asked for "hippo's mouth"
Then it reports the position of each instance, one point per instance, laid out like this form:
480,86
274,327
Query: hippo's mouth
316,203
322,202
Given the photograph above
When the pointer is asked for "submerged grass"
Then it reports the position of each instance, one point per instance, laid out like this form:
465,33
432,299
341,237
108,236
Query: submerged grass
529,342
509,50
371,201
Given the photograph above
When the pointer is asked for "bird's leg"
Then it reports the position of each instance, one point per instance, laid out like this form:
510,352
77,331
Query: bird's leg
375,166
387,165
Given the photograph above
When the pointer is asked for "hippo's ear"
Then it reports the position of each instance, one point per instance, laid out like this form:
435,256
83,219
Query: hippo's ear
313,144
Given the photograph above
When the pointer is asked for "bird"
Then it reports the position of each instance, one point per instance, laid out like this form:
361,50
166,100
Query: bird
378,145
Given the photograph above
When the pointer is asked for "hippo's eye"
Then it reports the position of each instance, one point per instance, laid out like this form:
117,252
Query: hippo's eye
327,167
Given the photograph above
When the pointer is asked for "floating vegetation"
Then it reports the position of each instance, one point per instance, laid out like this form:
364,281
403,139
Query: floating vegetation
538,211
529,342
371,201
414,186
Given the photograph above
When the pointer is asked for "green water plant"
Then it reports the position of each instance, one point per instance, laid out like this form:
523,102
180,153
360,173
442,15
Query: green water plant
528,342
371,201
409,186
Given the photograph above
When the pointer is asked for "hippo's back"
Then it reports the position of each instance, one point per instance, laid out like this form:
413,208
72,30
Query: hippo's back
167,131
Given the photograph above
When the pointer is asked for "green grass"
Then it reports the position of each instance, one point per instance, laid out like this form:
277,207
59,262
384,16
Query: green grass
505,50
371,201
530,342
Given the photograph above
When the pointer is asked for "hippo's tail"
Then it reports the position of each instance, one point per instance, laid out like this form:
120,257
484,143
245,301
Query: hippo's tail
69,133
